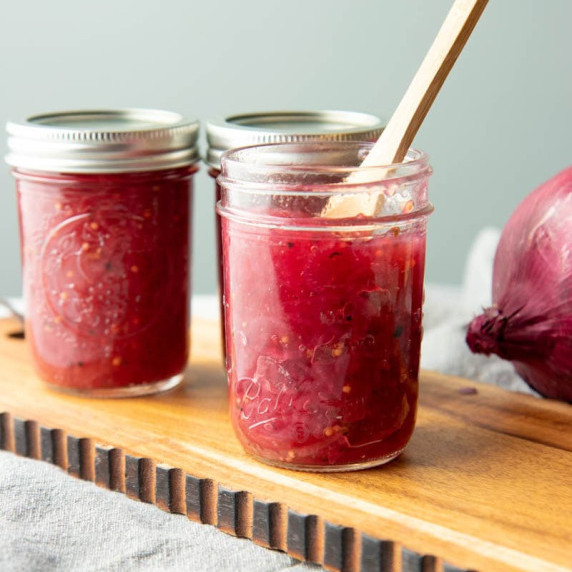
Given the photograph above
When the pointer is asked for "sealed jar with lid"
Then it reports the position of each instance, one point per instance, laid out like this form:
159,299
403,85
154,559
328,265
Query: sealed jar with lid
247,129
104,203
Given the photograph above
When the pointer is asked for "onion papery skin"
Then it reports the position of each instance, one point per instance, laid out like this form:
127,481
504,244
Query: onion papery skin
530,322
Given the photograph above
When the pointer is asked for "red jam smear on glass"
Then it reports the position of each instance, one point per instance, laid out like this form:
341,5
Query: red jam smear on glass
106,263
324,333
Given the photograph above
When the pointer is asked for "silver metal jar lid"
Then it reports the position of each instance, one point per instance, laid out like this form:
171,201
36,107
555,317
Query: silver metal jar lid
103,141
288,127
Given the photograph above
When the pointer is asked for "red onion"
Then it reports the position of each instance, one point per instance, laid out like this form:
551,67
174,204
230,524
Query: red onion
530,321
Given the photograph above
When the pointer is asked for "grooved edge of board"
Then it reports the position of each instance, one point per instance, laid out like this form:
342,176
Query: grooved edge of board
270,524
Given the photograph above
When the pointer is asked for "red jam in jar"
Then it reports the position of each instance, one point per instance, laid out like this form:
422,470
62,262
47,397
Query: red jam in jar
245,129
105,251
323,315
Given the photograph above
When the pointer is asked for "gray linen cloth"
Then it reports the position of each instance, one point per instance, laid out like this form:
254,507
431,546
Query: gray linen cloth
51,521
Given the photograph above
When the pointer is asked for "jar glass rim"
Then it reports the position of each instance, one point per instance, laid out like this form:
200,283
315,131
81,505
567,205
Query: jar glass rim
265,183
260,164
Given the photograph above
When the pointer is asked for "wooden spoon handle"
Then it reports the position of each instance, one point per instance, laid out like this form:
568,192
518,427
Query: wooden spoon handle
396,138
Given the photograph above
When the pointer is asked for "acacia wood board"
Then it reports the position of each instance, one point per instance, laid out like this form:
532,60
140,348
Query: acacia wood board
485,483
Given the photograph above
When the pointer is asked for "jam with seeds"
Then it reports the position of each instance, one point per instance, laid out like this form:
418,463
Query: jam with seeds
323,291
323,334
106,264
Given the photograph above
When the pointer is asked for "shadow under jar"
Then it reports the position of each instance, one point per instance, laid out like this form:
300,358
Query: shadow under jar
104,200
323,314
241,130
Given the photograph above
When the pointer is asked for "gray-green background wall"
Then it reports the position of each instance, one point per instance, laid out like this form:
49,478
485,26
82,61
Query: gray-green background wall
501,125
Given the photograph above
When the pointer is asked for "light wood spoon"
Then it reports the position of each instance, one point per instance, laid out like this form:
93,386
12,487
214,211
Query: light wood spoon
396,138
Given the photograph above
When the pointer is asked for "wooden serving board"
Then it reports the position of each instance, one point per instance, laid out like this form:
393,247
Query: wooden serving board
485,484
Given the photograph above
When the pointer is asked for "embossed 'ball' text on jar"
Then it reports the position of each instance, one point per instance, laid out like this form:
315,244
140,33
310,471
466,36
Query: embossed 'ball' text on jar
323,274
104,205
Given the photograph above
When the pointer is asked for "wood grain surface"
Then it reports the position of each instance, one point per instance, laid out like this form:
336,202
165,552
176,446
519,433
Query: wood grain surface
485,484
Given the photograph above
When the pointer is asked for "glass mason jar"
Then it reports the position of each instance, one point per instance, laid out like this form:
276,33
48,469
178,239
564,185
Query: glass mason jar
246,129
323,277
104,199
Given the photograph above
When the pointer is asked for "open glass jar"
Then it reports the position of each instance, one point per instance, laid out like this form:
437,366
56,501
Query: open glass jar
323,312
241,130
104,199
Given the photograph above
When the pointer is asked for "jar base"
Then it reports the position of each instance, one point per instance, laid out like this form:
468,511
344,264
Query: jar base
118,392
331,468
